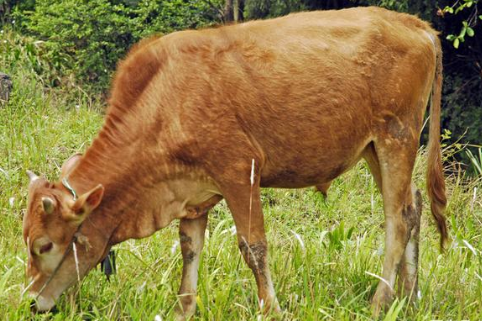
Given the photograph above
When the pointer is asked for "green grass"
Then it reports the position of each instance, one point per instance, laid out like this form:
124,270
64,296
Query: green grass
320,250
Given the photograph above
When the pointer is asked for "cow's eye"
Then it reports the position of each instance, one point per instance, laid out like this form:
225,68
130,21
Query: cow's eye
46,248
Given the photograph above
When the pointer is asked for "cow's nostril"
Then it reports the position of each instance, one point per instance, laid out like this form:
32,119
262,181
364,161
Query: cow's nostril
33,306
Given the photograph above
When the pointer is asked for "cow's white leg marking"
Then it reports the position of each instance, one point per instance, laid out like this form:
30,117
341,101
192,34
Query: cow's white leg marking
191,233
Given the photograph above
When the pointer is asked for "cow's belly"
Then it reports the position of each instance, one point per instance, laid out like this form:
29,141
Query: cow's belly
311,157
309,170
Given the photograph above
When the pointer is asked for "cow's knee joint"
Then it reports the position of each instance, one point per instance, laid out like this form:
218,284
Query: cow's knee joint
255,255
188,257
411,213
188,254
184,238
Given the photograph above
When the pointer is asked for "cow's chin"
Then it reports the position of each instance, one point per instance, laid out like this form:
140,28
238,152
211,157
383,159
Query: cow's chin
42,303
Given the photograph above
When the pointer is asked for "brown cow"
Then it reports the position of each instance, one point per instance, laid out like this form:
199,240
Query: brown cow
299,100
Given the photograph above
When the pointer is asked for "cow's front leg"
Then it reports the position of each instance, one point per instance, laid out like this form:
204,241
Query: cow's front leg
245,206
191,233
255,253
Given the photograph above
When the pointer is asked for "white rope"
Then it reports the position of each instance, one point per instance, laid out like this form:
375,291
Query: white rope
28,287
250,202
380,278
76,261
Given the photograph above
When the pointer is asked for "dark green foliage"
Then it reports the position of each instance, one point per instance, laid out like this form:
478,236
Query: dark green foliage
462,109
82,37
161,16
462,93
87,38
272,8
6,7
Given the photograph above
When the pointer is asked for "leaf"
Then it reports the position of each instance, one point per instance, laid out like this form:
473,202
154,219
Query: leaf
456,43
350,232
450,37
448,9
394,311
477,163
462,33
470,32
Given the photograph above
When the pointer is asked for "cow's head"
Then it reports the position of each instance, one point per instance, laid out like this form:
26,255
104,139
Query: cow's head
54,221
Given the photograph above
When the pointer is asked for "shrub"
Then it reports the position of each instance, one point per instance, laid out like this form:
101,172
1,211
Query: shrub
87,38
81,37
161,16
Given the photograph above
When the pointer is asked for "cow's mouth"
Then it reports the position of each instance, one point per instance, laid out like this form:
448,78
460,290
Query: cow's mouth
40,304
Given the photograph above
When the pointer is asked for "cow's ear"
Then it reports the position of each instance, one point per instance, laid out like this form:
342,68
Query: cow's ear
70,164
85,204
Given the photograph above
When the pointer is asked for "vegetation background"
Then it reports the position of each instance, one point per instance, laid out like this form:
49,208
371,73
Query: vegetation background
61,55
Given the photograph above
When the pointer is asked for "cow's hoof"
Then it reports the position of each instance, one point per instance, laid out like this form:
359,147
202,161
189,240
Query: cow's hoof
272,308
179,315
381,301
184,315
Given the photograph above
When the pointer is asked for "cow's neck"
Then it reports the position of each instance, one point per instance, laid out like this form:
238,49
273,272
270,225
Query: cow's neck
143,191
118,162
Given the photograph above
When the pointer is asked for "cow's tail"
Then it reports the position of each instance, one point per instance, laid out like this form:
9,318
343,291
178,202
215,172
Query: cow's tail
435,175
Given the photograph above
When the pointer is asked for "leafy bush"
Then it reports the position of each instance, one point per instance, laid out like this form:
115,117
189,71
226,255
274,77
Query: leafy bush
87,38
161,16
6,7
272,8
84,37
467,24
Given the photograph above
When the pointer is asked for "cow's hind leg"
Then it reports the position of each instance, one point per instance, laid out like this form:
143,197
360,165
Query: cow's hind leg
396,164
408,271
408,274
191,233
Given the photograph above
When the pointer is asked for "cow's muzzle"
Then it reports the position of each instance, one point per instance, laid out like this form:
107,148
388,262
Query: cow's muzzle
41,304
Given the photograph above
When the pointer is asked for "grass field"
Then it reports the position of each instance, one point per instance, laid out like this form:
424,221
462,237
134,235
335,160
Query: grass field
322,253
